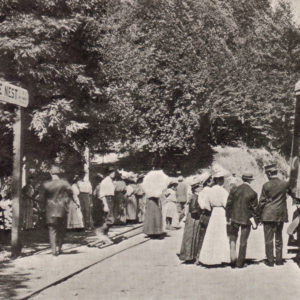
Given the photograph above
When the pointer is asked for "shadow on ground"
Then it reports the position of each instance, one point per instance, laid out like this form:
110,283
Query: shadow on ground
10,282
36,240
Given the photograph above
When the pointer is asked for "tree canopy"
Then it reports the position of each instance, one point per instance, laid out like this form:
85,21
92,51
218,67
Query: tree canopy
156,76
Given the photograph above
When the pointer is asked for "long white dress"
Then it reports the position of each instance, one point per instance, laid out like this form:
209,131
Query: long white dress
215,249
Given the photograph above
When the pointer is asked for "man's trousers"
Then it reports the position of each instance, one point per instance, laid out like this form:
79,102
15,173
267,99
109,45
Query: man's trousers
233,236
57,230
272,229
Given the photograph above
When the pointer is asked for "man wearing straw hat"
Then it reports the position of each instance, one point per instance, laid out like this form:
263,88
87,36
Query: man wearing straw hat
272,212
241,213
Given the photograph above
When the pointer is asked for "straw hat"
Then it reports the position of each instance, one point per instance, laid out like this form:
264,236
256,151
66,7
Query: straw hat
247,176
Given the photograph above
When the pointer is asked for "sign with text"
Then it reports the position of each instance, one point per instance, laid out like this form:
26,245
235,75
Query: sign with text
13,94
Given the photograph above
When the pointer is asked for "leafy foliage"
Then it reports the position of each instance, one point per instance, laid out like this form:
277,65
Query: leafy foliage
162,77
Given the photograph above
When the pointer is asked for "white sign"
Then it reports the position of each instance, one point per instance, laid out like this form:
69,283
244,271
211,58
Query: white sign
13,94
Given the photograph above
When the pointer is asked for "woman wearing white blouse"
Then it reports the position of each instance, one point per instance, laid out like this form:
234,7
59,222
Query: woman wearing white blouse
215,249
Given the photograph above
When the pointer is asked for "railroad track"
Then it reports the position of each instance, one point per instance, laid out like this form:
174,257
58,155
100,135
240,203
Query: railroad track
117,238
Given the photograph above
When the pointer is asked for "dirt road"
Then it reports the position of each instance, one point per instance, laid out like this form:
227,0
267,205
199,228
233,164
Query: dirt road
151,271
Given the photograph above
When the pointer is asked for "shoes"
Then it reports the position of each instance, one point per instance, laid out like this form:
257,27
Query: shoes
269,264
279,263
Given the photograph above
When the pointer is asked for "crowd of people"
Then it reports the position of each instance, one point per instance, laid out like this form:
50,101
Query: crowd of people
216,218
117,199
213,217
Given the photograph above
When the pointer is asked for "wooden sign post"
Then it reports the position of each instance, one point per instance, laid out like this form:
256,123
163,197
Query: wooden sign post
15,95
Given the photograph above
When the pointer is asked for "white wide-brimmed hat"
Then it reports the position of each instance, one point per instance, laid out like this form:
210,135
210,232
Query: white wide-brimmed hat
204,176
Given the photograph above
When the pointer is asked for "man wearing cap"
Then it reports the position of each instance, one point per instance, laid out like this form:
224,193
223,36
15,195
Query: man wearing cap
181,196
241,213
272,212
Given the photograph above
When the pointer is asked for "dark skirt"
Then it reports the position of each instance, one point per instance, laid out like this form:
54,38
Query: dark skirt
153,217
191,239
119,210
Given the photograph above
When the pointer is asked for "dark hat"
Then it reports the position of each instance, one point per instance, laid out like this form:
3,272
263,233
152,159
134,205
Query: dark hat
195,183
247,176
271,168
173,183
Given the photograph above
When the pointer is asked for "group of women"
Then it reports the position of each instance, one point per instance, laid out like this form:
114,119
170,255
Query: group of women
206,204
127,207
205,238
128,202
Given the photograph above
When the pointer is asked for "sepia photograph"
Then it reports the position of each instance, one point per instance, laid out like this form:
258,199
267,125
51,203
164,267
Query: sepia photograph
150,149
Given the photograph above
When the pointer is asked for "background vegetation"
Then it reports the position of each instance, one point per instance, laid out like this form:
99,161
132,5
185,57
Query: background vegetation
164,78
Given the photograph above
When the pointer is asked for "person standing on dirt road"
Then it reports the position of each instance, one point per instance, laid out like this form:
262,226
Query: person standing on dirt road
272,212
106,195
57,194
241,213
181,196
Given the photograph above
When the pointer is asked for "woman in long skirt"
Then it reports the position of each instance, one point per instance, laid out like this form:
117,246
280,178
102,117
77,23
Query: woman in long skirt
153,224
75,218
132,203
215,249
191,236
120,201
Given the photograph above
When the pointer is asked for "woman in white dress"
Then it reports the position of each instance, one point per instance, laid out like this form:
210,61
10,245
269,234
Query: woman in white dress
215,249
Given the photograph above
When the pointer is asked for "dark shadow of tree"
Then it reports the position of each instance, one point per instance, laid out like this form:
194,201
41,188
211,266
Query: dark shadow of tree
11,281
33,241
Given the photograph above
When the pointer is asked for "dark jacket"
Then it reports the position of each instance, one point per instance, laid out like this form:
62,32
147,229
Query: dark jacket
241,204
272,205
57,194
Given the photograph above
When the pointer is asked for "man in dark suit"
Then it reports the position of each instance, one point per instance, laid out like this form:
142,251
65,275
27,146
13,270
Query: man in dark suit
56,194
241,213
272,211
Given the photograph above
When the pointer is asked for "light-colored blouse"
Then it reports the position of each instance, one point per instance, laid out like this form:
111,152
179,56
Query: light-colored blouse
210,197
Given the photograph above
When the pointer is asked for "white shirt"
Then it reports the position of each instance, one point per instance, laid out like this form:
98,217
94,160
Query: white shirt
210,197
203,197
85,187
107,187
